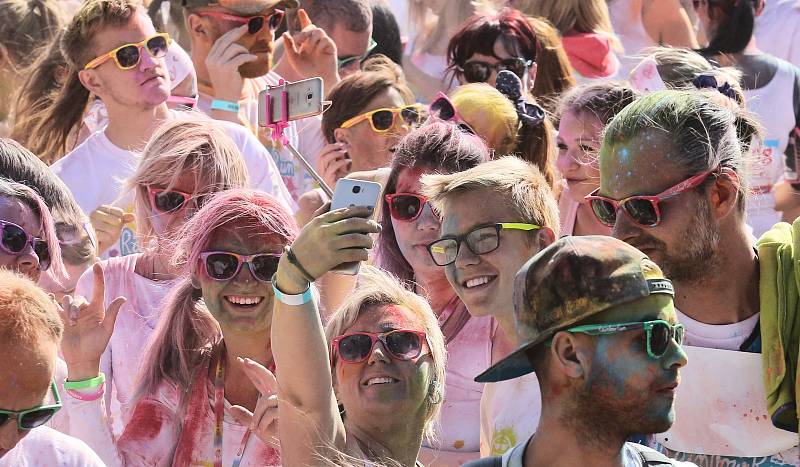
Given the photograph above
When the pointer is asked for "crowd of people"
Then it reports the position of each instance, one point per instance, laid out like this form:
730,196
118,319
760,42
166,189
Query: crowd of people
584,252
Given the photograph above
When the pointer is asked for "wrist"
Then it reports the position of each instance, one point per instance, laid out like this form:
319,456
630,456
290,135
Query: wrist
82,371
288,279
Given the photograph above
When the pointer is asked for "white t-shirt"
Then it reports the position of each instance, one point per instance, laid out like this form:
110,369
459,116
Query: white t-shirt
46,447
717,336
778,30
510,412
631,458
97,170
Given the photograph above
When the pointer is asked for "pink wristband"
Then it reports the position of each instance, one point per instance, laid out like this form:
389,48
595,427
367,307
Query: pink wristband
81,396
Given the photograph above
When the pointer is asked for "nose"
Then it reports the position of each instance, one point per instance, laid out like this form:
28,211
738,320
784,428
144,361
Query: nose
10,435
492,79
465,257
379,354
428,220
146,62
565,162
624,229
245,275
675,357
27,261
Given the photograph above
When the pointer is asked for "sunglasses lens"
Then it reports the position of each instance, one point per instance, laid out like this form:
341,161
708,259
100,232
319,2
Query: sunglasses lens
382,120
222,266
275,20
659,339
4,417
513,65
444,251
476,72
442,109
264,266
404,345
36,418
604,211
128,56
255,24
355,347
465,128
43,253
410,116
168,201
406,207
157,46
642,211
14,238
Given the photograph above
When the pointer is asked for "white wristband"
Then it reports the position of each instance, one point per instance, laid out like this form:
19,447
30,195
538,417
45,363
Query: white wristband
293,300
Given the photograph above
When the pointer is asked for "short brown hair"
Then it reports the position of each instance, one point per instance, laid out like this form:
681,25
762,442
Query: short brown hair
353,93
355,15
27,313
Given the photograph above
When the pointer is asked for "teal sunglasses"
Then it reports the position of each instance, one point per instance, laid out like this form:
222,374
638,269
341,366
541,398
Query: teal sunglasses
34,417
659,333
343,62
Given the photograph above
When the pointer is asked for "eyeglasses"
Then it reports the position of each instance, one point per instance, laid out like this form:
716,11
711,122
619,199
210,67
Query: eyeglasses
479,72
344,62
643,210
224,265
35,417
405,207
254,23
402,344
480,241
659,333
442,108
171,201
382,120
15,239
127,56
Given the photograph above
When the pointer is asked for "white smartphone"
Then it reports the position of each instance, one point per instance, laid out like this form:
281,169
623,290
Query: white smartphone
350,192
304,98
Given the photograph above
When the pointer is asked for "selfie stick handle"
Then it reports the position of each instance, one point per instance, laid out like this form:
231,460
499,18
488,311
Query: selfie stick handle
278,134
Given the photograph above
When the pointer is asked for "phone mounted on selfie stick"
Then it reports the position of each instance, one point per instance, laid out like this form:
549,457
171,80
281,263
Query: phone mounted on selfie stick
278,133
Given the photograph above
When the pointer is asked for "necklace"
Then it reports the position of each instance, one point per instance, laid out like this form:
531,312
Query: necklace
219,409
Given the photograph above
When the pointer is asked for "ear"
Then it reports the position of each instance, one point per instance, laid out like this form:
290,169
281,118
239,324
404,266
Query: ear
567,356
532,75
724,193
545,238
342,135
199,29
91,81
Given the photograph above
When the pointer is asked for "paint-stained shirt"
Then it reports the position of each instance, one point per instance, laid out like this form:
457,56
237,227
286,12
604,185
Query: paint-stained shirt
46,447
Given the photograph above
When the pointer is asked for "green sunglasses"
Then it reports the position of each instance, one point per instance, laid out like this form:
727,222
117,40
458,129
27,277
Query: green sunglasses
342,62
35,417
659,333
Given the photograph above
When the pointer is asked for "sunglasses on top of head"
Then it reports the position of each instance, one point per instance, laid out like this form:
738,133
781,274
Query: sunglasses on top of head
356,347
477,71
127,56
442,108
32,418
383,120
225,265
171,201
644,211
15,239
254,23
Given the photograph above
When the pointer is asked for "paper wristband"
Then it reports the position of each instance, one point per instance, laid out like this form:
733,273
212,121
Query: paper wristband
88,397
293,300
87,383
227,106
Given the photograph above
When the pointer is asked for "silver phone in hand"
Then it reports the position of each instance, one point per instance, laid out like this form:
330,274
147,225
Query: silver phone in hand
351,192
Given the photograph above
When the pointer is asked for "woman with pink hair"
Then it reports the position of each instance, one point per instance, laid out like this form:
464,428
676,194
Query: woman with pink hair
194,403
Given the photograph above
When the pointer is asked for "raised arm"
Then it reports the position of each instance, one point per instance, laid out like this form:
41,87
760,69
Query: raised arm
309,416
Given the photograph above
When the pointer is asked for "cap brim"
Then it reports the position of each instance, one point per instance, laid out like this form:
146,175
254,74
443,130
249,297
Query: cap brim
516,364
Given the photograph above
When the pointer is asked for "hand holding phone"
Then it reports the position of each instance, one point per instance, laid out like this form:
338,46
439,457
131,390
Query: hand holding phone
350,193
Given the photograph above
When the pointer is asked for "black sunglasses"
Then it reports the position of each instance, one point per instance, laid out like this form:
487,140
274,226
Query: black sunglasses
479,72
15,239
356,347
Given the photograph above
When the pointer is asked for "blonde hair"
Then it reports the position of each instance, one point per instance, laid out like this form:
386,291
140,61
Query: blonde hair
534,145
27,313
26,26
376,288
518,181
197,146
574,16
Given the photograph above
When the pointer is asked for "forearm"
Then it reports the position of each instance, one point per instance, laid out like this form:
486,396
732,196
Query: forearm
88,422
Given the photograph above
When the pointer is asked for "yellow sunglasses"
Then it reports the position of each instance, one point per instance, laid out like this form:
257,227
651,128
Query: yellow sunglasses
128,56
382,120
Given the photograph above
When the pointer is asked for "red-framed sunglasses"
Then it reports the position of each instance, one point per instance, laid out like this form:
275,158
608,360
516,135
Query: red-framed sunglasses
254,23
405,207
643,210
356,347
168,201
442,108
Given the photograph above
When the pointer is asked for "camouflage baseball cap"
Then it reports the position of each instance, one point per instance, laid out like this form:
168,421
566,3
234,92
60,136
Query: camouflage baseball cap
242,7
569,281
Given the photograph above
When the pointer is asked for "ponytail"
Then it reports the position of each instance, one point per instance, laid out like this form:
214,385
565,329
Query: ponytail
734,28
57,122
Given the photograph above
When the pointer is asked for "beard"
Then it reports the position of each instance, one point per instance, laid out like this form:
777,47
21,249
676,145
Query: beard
256,68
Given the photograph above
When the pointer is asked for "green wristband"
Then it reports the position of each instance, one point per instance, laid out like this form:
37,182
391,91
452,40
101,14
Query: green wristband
87,383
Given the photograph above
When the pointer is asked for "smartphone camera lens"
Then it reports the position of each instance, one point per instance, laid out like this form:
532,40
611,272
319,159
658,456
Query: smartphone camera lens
309,96
356,189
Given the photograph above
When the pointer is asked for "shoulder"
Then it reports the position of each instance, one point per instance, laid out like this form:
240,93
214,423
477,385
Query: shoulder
51,447
77,158
653,458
